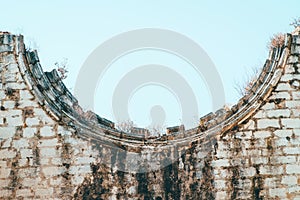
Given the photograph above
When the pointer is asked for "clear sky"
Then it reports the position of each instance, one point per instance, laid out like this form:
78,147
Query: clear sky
233,33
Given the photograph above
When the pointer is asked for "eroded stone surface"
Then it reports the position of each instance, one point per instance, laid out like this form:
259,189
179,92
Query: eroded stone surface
250,151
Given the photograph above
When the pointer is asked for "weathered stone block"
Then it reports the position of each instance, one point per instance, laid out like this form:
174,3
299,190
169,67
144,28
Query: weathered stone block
291,123
278,113
289,180
7,154
262,134
48,152
268,123
47,131
29,132
293,169
278,192
7,132
48,142
21,143
291,150
32,121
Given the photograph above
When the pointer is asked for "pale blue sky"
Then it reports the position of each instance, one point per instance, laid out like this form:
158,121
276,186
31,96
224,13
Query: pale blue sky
233,33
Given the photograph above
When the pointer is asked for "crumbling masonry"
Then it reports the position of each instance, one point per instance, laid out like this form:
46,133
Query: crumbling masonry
51,149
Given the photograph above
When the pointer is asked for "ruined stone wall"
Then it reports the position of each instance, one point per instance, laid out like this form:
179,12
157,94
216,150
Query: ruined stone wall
51,149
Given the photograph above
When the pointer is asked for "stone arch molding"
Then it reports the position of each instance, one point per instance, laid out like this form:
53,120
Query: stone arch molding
58,101
119,154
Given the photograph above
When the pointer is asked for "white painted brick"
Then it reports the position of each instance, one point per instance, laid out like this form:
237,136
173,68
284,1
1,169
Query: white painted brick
45,161
56,161
21,143
4,172
25,95
253,152
283,159
23,193
31,182
32,121
48,152
271,182
278,113
271,170
289,69
260,114
14,121
85,169
29,132
47,131
296,132
296,95
1,123
284,87
282,142
5,193
63,131
12,68
7,143
283,133
2,95
292,59
83,160
268,106
220,184
259,160
4,183
26,153
57,181
25,162
42,116
220,154
293,189
262,134
250,125
278,192
221,163
295,141
48,143
44,192
244,135
281,95
265,123
288,77
292,104
132,190
248,172
289,180
296,112
7,132
3,163
27,103
16,86
291,150
7,154
221,195
293,169
10,113
9,104
291,123
53,171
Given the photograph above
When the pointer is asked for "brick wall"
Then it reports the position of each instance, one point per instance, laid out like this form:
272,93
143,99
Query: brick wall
50,148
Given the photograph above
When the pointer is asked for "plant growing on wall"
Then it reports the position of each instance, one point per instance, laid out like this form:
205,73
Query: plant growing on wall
295,23
244,88
276,41
62,68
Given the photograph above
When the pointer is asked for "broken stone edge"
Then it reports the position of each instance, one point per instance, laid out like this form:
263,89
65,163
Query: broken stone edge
59,103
